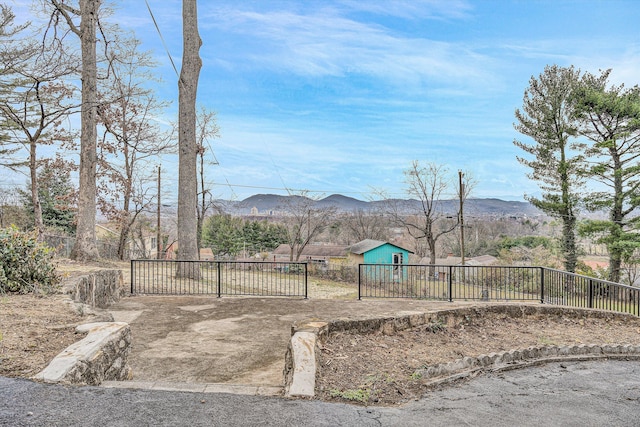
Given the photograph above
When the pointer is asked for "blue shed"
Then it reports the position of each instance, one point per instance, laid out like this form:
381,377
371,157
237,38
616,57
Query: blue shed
377,252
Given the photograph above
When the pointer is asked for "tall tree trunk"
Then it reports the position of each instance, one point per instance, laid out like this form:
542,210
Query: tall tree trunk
35,196
617,218
202,209
125,223
187,146
123,239
569,248
85,248
431,245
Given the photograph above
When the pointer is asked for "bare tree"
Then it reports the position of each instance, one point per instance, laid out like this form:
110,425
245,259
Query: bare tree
36,98
85,247
360,225
131,138
466,184
187,144
303,221
427,184
206,128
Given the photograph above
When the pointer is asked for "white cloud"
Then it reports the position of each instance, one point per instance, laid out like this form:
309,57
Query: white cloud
413,9
325,43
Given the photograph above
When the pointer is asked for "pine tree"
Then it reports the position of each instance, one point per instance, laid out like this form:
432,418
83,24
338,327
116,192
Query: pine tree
547,117
56,196
609,117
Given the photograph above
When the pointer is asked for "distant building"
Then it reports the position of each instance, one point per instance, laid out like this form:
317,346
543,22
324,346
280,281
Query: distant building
364,252
206,254
324,254
443,264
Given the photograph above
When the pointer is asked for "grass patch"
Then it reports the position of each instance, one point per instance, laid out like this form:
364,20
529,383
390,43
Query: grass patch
436,327
546,341
355,395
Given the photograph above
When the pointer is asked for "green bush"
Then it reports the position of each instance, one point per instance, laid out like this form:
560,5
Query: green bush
26,265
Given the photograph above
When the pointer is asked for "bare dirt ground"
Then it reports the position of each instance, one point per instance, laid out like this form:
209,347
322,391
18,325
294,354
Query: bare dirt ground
33,330
382,369
243,340
229,340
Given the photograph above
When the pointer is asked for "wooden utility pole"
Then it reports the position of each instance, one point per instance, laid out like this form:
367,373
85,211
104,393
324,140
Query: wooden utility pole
158,233
461,218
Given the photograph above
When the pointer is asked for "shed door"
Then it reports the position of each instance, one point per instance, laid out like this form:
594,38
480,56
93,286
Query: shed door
397,262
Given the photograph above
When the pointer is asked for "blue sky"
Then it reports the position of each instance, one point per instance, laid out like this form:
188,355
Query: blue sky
340,96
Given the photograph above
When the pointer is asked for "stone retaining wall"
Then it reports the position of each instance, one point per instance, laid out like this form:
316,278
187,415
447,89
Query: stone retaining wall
303,354
98,288
408,320
513,359
100,356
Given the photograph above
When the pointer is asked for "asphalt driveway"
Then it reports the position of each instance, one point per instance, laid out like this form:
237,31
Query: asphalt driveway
597,393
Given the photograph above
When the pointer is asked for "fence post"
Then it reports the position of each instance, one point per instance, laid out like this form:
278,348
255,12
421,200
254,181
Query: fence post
590,302
306,290
359,282
219,279
131,276
450,283
541,285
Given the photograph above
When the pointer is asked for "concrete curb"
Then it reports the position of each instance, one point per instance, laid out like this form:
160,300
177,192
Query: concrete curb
248,390
101,355
302,358
517,359
303,355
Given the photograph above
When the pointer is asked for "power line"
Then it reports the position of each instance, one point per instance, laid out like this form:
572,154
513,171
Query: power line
276,167
153,18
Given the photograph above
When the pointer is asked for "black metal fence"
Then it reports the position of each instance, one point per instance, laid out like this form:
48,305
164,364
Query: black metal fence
574,290
64,245
495,283
338,273
219,278
450,283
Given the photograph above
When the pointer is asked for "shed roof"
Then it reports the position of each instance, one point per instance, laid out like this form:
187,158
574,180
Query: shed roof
315,250
482,260
450,260
370,244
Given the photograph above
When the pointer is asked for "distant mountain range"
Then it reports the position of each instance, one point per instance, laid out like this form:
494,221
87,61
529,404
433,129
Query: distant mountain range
272,204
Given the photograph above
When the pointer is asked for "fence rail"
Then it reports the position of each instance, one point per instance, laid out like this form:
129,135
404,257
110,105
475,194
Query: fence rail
564,288
64,245
219,278
496,283
450,283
